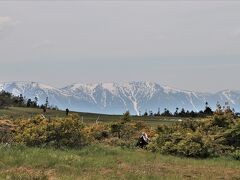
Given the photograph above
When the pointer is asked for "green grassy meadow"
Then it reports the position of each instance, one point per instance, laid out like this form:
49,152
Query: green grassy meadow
103,162
22,112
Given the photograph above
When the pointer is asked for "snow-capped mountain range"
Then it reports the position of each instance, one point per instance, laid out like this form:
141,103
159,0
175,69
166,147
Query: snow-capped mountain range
116,98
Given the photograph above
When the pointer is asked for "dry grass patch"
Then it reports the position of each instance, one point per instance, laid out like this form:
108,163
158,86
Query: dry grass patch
27,173
179,171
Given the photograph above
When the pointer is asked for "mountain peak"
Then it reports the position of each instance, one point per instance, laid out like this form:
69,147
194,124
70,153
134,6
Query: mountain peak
115,97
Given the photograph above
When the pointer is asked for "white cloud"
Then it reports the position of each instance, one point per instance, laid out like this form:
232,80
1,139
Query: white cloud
7,21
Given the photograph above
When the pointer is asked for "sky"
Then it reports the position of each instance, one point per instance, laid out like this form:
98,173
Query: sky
192,45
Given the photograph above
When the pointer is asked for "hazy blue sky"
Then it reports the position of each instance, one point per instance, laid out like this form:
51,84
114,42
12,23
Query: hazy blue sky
187,44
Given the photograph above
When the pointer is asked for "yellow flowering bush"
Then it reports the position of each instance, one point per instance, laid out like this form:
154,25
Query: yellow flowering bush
57,132
97,131
215,136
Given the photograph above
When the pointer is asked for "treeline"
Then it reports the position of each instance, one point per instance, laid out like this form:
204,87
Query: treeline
185,113
9,100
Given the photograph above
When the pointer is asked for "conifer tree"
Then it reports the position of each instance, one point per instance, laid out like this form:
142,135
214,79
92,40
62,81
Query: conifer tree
126,117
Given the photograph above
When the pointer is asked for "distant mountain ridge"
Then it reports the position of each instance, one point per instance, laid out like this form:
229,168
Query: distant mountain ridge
115,98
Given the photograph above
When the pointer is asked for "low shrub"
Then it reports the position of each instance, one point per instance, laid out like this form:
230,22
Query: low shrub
57,132
183,143
215,136
193,146
236,155
98,131
7,129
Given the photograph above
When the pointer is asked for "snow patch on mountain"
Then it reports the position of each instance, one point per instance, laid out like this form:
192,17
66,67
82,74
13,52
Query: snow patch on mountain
227,95
115,98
